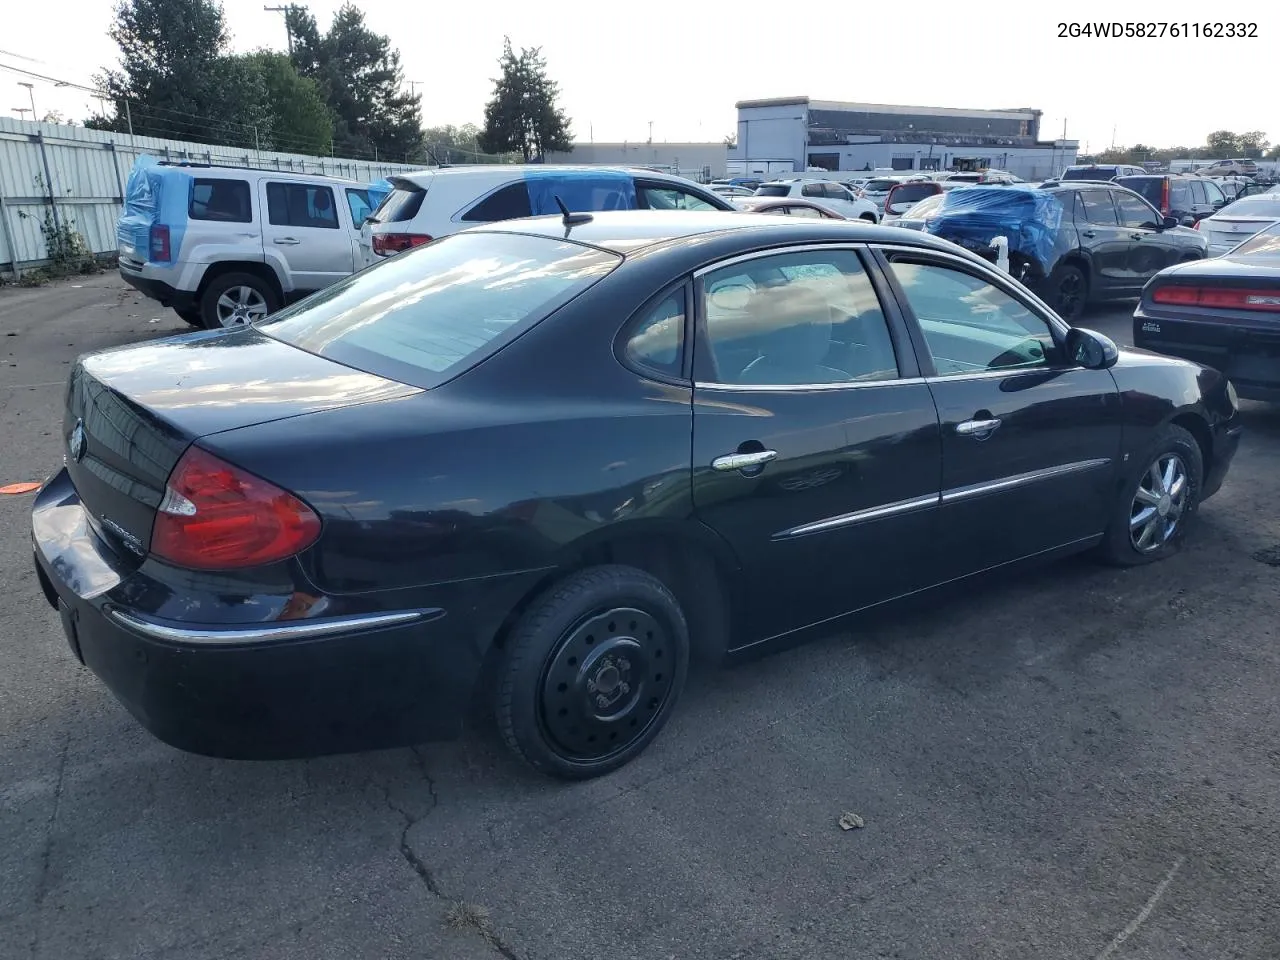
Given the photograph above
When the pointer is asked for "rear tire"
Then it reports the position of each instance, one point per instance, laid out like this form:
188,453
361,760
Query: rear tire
236,300
1067,291
1149,521
869,217
593,671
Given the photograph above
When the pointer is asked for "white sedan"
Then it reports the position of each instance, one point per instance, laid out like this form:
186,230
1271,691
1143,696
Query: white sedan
1238,221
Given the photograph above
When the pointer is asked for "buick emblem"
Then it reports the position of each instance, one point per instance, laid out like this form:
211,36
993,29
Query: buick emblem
75,445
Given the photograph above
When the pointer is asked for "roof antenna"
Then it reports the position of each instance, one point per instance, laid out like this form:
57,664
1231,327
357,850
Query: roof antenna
570,219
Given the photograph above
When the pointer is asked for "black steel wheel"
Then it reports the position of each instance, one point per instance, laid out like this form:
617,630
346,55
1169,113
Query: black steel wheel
593,670
1068,291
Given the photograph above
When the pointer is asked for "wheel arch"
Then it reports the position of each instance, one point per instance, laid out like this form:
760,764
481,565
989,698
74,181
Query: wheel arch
254,268
1196,424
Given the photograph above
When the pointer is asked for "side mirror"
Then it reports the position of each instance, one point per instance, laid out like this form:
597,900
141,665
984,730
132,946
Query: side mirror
1219,204
1090,349
1170,222
1187,221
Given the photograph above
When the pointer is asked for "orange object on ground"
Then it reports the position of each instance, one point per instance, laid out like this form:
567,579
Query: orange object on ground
20,488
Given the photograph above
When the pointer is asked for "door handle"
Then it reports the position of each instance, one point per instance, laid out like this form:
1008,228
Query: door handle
978,429
287,241
743,461
1136,236
1088,233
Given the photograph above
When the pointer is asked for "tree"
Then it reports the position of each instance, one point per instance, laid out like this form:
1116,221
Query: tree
359,74
1222,144
178,77
523,116
1253,143
301,120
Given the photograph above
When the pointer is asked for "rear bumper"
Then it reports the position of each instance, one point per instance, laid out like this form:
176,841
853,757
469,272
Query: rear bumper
275,690
168,295
1226,441
1244,348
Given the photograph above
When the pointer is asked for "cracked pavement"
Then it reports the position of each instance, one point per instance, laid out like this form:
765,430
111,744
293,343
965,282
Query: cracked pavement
1074,762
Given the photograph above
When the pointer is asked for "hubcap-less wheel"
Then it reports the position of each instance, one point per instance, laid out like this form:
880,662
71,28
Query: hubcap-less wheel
239,306
1158,504
1070,292
605,683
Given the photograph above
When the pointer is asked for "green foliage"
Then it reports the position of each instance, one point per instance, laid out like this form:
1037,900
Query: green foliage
359,74
523,116
303,122
1221,144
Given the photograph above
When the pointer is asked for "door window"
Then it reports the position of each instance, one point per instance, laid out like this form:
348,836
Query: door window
1098,208
507,203
672,198
223,200
1136,214
836,192
359,205
795,319
656,341
1198,192
811,212
1179,195
969,324
1213,192
301,205
814,190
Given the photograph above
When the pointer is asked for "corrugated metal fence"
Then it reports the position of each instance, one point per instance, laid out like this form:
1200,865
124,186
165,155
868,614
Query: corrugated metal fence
76,177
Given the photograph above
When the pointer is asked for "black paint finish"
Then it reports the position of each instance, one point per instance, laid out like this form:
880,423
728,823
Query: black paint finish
468,498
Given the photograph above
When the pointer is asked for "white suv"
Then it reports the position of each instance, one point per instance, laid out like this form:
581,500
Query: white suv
828,192
429,204
225,246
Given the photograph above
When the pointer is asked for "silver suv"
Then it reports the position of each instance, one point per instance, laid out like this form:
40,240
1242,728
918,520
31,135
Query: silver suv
225,246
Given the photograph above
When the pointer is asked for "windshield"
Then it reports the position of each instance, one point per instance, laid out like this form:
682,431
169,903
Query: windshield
773,190
1264,245
1259,205
426,315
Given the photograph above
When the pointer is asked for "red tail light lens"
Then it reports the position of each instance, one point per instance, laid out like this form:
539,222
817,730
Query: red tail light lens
215,516
387,244
1196,225
1220,298
159,245
1164,196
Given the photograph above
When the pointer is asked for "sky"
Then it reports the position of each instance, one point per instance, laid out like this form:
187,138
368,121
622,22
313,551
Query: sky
682,67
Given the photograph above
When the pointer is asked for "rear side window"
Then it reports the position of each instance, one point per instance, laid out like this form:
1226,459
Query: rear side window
657,340
301,205
431,313
506,203
399,205
1179,194
223,200
773,190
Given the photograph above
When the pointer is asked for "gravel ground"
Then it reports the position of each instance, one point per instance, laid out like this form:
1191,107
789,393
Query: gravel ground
1074,762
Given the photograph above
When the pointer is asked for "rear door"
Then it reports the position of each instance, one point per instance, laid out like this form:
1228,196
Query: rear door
1098,225
815,442
303,234
1029,441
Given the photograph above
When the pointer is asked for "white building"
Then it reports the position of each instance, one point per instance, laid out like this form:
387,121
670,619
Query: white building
834,136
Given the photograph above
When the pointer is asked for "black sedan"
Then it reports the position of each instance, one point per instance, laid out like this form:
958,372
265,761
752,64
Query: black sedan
544,463
1224,313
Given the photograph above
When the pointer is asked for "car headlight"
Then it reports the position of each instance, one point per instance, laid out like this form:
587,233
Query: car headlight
1232,398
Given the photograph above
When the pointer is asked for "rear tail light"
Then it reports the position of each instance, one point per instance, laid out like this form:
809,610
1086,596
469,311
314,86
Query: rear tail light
1219,298
387,244
1196,225
1164,197
215,516
158,247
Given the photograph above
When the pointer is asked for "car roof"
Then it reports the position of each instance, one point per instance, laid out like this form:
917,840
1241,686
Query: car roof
626,231
501,172
212,171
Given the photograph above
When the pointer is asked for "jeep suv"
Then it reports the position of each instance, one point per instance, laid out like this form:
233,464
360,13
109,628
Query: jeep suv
225,246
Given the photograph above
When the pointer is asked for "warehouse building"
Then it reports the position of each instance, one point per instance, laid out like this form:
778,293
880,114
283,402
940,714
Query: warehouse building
795,134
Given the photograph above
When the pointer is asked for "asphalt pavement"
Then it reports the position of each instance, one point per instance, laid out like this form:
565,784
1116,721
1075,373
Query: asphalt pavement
1072,762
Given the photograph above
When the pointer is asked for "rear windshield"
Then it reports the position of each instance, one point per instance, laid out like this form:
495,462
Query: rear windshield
1258,205
1089,173
427,315
402,203
925,208
912,192
773,190
880,186
1152,188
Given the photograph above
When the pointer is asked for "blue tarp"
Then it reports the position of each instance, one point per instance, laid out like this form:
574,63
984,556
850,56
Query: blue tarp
582,191
154,194
974,216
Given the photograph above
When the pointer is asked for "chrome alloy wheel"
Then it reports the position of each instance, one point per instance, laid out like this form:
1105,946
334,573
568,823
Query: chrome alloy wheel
1158,504
239,306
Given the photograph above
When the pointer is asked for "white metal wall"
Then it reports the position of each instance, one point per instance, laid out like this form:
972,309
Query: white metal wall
84,171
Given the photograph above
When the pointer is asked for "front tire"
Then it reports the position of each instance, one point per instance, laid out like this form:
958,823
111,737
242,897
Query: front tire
236,300
593,671
1158,502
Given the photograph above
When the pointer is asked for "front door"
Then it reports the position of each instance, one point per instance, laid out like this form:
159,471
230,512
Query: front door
815,442
1029,442
1151,248
303,235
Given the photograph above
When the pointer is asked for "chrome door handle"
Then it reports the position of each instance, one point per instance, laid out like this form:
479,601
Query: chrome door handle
289,241
1088,233
981,429
743,461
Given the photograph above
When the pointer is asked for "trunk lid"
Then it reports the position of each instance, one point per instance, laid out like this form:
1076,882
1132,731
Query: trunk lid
131,412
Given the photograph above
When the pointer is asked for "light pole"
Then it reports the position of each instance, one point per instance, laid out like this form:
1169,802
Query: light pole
31,92
21,110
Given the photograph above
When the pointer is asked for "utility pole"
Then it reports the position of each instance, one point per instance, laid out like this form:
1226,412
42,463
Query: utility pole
128,115
21,110
288,31
650,131
31,92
